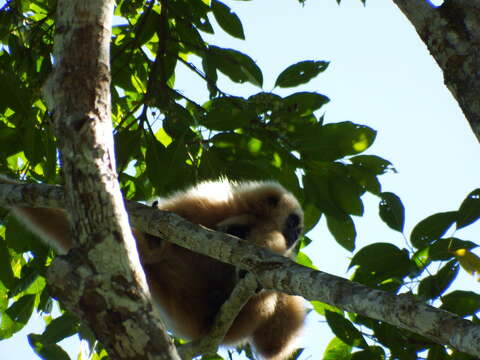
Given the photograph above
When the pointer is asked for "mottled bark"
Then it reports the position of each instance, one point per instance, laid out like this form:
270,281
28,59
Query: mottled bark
280,273
102,281
452,35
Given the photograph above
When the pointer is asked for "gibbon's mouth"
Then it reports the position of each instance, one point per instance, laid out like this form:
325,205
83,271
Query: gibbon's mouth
291,230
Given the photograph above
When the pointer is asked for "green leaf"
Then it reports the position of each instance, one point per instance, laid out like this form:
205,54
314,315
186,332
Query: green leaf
127,145
438,352
375,163
469,210
227,113
370,353
433,286
7,326
173,158
462,303
236,65
382,258
304,103
442,249
46,351
32,143
227,19
177,121
304,260
6,273
365,178
311,217
337,350
343,231
321,308
344,329
432,228
9,143
146,26
300,73
61,328
21,310
154,156
333,141
190,37
391,211
346,193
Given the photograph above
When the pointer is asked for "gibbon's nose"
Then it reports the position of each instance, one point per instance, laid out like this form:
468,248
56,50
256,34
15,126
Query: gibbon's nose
291,230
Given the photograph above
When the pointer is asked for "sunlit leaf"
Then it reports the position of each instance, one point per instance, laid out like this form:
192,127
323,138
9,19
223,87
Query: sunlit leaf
321,308
444,249
468,261
337,350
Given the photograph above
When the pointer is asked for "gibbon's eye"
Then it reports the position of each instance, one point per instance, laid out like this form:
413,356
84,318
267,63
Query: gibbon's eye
238,230
273,200
291,229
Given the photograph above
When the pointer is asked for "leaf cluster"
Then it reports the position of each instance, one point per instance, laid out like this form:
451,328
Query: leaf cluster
425,270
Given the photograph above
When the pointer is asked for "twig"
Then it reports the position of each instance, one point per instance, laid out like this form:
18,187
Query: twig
242,292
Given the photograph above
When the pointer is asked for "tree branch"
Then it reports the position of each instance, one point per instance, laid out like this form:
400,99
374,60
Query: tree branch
209,344
452,37
280,273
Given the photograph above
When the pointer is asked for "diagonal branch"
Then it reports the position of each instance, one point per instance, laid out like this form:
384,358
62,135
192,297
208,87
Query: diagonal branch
209,344
451,34
280,273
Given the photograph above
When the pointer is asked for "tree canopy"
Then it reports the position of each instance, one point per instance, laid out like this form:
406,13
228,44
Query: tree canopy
165,140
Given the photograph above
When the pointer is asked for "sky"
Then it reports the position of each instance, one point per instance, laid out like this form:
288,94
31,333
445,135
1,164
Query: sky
380,75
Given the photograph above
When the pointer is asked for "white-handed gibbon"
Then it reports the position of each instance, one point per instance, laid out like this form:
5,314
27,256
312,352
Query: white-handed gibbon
189,288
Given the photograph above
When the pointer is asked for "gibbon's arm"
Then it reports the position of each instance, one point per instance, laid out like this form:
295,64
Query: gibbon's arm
52,225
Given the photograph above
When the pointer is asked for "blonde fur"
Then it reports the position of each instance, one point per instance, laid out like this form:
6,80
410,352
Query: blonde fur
188,287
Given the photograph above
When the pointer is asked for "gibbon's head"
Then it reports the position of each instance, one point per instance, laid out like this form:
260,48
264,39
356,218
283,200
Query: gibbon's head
268,215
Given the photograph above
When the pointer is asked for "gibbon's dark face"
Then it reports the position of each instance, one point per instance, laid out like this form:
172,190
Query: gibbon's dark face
292,229
272,218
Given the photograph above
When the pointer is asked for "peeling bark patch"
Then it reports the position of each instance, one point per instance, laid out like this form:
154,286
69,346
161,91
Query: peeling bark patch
123,287
92,302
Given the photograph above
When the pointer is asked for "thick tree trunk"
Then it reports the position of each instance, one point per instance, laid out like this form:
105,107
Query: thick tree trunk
102,281
452,34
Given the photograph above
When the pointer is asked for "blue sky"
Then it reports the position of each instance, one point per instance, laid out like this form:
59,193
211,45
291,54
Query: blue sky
380,75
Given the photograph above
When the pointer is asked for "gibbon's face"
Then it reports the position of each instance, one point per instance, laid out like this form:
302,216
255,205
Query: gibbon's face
272,218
